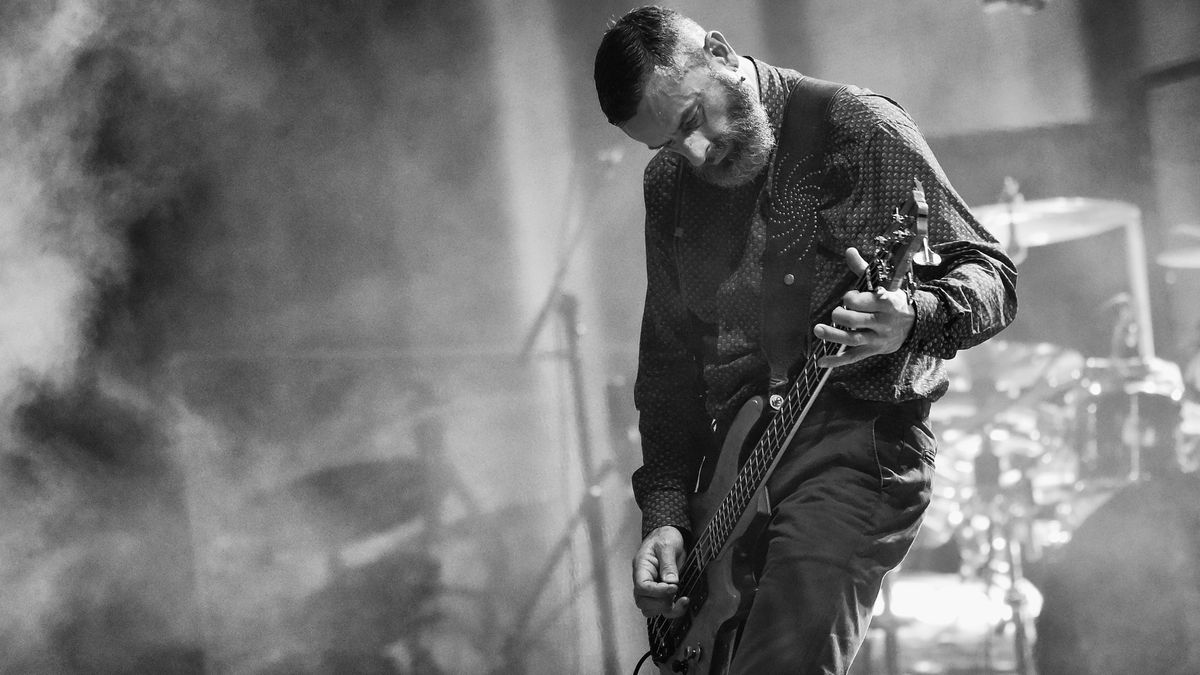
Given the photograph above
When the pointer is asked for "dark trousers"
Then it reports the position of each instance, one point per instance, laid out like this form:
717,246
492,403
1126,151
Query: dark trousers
847,500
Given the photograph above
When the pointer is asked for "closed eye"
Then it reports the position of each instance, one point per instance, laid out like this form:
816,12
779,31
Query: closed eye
692,122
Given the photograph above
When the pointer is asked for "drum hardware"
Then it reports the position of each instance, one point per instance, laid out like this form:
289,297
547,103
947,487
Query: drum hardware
1049,443
1019,224
1005,450
1012,199
1015,598
1004,514
1127,420
1189,436
1024,481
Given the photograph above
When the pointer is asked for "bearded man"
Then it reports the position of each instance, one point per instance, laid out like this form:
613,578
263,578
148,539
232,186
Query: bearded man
764,187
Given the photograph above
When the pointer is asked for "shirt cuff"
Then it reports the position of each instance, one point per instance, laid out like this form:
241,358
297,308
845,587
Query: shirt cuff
665,507
927,336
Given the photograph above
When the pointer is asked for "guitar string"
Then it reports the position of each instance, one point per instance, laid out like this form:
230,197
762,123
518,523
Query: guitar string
757,463
759,460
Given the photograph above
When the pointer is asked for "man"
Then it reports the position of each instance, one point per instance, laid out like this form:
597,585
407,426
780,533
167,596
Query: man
725,214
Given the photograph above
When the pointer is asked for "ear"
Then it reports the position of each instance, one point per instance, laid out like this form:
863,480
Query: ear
717,47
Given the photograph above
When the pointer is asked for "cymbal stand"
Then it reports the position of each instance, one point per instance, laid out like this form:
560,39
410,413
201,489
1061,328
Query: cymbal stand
590,508
1139,287
1011,197
1003,528
1006,507
1015,598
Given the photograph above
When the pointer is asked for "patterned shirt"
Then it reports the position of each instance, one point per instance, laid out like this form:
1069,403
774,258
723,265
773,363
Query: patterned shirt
700,354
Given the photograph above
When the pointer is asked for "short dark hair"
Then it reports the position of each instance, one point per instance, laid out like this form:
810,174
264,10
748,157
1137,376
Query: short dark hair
635,44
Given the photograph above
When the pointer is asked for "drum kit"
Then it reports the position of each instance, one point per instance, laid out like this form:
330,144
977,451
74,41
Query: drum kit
1036,436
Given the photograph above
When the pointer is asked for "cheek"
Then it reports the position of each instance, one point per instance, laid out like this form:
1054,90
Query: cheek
720,132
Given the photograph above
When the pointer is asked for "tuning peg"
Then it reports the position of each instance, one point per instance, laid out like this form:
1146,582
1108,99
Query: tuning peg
927,257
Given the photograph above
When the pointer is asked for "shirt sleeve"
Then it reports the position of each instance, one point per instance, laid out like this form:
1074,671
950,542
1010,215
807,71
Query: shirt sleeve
669,390
971,295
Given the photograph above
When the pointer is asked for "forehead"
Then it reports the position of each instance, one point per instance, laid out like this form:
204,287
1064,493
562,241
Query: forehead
666,97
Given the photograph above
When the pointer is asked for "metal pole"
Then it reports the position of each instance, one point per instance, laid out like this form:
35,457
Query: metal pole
593,515
1139,285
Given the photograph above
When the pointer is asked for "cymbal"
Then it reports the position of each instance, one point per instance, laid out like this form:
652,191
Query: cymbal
1049,221
1180,258
362,498
1189,230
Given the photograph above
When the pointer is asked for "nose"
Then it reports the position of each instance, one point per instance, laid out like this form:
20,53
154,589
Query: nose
694,148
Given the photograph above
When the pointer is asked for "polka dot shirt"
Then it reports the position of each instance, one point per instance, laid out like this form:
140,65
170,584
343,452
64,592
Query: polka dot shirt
700,353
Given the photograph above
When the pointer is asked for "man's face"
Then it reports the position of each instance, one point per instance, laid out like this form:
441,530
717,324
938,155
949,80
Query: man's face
709,118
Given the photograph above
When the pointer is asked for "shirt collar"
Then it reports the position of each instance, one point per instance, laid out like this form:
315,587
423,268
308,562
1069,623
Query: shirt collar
772,94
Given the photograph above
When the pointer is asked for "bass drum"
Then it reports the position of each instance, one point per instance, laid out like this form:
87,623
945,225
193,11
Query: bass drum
1123,596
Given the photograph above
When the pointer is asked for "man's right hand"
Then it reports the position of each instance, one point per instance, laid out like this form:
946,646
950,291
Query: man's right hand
656,573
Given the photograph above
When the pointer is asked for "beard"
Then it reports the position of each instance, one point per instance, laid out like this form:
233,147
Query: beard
748,142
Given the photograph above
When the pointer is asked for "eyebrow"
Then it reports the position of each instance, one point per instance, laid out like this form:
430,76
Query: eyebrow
685,115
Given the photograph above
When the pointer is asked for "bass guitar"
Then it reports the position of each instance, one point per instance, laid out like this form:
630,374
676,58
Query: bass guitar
717,575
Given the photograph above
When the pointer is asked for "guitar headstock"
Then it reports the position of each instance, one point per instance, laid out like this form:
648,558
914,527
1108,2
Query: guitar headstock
892,259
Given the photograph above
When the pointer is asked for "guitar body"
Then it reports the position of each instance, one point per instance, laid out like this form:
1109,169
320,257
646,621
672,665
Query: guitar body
718,610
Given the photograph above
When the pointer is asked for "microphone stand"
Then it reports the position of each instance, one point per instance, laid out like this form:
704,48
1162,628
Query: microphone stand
590,509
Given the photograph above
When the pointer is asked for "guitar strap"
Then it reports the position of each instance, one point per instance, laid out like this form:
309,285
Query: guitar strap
790,210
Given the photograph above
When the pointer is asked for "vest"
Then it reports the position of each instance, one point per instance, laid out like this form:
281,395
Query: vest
788,196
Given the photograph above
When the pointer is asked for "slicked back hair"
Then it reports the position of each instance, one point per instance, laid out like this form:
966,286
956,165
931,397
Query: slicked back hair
633,47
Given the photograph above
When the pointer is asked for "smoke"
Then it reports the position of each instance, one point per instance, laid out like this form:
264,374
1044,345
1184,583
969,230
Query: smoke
45,276
193,192
96,563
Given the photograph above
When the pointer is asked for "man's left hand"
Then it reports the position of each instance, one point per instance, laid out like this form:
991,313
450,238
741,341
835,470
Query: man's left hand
868,322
